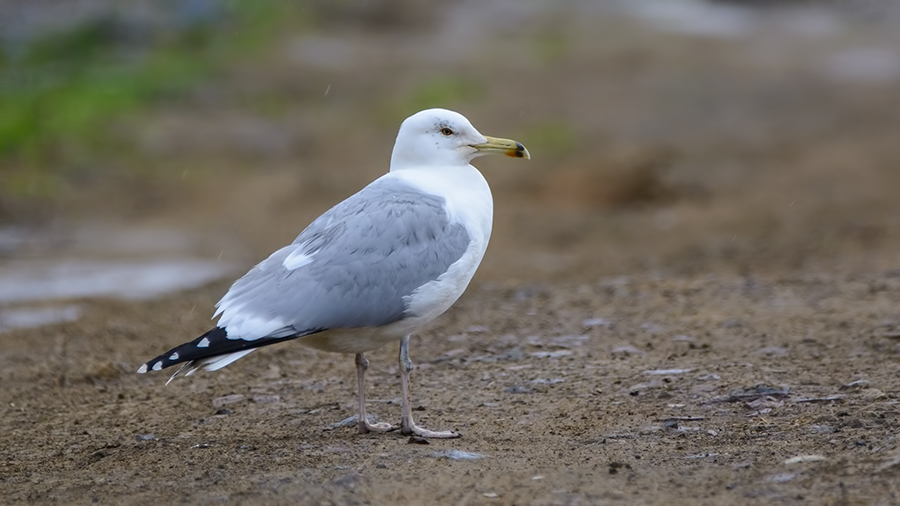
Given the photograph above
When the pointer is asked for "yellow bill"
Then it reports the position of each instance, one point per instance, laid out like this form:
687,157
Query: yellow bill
506,147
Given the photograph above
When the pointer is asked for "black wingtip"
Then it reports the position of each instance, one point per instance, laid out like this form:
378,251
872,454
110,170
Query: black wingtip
213,344
207,345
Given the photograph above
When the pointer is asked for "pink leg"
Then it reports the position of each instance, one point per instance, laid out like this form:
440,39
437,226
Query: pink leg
407,426
362,364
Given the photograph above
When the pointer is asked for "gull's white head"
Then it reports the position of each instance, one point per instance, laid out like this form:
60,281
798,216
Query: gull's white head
442,138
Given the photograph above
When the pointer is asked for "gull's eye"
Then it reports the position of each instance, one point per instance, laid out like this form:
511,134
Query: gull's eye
446,131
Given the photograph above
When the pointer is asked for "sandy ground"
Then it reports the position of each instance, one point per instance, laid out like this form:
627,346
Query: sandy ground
631,390
692,295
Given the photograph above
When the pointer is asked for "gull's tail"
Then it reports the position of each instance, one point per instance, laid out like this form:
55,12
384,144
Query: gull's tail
211,351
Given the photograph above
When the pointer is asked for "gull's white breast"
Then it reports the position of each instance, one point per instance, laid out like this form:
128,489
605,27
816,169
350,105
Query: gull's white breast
468,201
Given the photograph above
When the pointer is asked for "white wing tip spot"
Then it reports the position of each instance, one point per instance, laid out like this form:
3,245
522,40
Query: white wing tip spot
157,366
296,260
143,369
173,356
204,343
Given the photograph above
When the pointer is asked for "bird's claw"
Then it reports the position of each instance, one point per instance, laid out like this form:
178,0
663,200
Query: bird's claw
415,430
366,427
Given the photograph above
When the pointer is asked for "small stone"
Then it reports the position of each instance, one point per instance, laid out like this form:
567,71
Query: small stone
547,381
597,322
457,455
653,328
873,394
804,458
772,351
666,372
624,350
855,385
228,399
551,354
264,399
781,477
518,389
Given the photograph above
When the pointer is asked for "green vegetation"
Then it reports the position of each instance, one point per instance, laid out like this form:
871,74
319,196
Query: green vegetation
553,138
551,45
62,94
444,91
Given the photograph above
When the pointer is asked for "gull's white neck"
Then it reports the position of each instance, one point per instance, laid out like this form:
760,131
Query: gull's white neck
411,159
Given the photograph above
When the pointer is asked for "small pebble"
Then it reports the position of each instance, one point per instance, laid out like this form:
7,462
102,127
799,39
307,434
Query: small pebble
666,372
855,385
596,322
457,455
804,458
518,389
626,349
228,399
772,351
781,477
263,399
551,354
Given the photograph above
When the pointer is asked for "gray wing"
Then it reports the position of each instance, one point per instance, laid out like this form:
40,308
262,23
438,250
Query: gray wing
352,267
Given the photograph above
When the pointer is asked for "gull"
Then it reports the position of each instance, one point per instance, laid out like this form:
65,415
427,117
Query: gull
372,269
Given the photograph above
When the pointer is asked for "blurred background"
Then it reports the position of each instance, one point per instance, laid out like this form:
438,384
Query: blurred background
154,145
